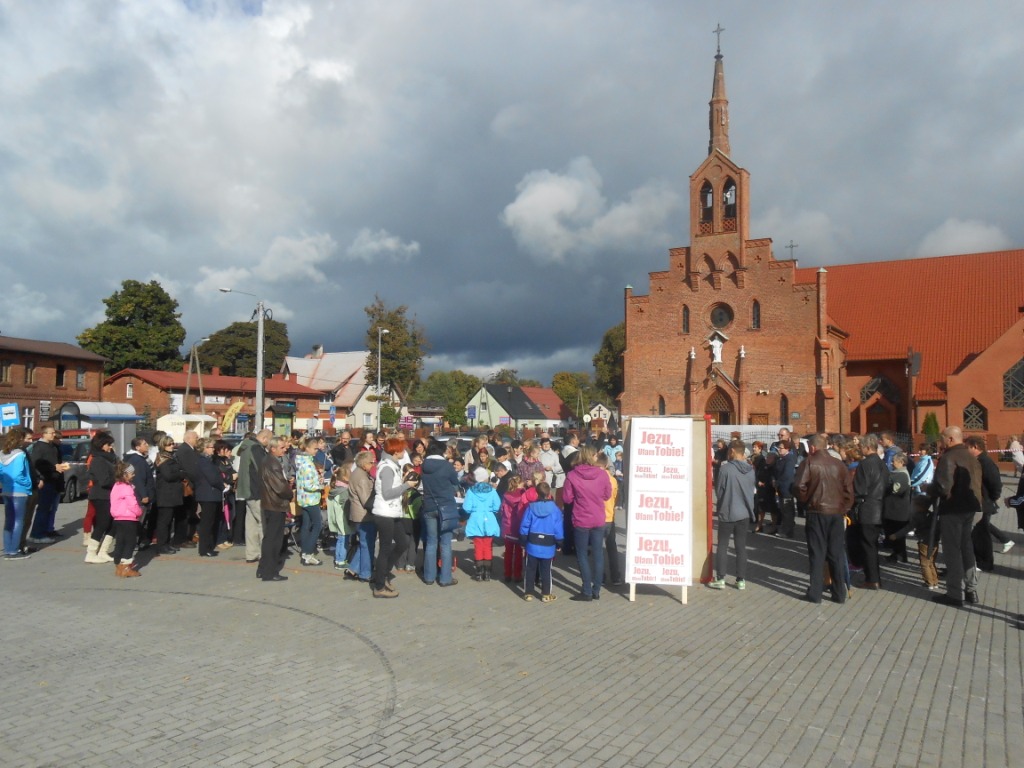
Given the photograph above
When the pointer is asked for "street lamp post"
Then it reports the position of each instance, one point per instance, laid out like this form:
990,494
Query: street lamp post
260,313
380,334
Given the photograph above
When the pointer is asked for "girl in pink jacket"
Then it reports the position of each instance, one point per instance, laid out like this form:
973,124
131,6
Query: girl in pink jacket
126,511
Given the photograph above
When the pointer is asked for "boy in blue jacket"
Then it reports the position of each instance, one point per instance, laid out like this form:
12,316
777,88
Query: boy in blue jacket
542,532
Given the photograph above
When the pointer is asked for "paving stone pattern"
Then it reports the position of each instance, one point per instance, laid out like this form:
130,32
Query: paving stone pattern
198,663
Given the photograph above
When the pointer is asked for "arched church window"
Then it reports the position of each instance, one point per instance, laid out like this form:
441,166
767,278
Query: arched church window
976,416
1013,386
661,405
707,202
729,199
783,409
755,314
686,319
883,386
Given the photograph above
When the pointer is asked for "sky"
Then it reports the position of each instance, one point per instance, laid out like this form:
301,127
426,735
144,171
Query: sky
504,169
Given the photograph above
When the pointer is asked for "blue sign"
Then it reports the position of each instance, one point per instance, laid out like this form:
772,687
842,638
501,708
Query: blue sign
10,415
333,412
470,411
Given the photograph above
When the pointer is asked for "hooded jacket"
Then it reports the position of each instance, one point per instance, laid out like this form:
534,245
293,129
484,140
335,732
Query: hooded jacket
482,504
14,469
440,484
101,473
587,488
735,487
543,519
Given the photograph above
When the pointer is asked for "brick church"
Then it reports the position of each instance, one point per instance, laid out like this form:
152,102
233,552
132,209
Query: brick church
731,331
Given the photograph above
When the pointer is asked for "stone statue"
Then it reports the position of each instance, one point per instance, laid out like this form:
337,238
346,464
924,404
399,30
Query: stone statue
716,349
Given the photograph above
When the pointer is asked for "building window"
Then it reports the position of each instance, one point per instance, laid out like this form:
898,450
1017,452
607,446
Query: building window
883,386
30,374
80,377
62,374
721,315
755,315
783,410
975,417
686,319
367,419
1013,386
661,406
483,406
129,391
5,371
707,202
729,200
28,419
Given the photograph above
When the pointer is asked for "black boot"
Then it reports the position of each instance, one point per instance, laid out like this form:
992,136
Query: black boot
478,572
487,570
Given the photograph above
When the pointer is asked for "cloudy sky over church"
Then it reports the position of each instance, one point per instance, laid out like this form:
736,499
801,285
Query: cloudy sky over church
503,168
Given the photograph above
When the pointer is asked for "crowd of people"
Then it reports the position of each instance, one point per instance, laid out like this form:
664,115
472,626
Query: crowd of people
391,505
862,495
394,504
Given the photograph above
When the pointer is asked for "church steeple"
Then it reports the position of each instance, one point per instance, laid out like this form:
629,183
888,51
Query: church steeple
718,115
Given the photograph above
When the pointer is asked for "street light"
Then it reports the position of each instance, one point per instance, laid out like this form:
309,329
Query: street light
380,333
259,314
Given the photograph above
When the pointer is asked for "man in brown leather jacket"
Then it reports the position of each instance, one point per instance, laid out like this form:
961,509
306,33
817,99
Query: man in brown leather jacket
823,484
958,491
275,501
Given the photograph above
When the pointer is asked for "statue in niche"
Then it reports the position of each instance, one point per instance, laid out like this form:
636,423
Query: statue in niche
716,349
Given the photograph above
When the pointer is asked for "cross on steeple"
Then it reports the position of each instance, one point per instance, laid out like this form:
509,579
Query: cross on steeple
718,30
791,246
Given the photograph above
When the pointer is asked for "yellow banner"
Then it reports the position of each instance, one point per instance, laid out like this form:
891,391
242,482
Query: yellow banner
229,417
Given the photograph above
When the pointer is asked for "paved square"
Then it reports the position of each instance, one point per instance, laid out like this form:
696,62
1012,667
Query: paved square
198,663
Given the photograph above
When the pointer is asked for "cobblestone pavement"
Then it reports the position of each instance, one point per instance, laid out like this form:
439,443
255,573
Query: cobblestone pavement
198,663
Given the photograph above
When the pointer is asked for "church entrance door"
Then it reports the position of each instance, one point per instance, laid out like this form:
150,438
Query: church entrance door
720,408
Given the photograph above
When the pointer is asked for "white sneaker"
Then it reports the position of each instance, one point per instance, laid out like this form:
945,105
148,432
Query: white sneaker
1006,547
309,560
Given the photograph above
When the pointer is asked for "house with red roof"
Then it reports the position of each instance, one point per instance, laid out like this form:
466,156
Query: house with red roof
289,405
731,331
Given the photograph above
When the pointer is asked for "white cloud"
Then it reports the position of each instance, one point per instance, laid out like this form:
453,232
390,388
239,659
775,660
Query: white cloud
557,215
372,246
23,309
959,236
296,259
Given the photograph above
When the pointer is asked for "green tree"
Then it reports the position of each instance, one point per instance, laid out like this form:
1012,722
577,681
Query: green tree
402,348
455,415
930,427
233,349
142,330
572,387
452,389
388,414
608,369
511,376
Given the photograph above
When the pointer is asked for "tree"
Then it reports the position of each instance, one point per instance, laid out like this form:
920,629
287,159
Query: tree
402,348
609,378
455,415
930,427
572,387
233,349
142,330
511,376
388,414
452,389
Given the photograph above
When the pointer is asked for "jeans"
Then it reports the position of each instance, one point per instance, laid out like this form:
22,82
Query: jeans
433,541
46,511
14,519
312,524
362,563
341,549
738,532
590,555
533,564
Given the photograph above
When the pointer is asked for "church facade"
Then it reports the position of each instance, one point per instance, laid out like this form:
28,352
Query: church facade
731,331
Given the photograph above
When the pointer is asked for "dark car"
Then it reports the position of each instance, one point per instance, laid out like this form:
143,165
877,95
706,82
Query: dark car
74,451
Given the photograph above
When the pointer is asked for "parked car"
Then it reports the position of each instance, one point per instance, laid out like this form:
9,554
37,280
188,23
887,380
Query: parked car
75,451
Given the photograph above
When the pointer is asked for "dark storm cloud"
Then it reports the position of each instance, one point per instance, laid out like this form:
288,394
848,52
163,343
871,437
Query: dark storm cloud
504,169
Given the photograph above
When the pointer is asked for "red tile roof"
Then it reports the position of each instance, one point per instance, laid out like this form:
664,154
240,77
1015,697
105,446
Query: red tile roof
948,308
548,402
216,383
